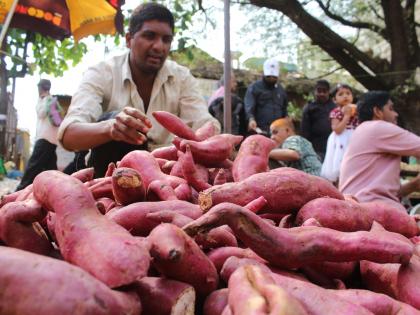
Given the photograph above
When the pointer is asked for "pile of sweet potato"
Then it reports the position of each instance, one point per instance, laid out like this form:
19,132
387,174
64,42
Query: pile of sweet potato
203,227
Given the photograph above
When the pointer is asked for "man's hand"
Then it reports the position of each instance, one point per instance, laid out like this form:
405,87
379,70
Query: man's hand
252,125
130,125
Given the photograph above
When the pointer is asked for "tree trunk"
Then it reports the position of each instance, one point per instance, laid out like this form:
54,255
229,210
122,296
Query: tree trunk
4,100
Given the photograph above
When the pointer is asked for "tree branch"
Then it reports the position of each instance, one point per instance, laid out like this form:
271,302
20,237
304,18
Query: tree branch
357,24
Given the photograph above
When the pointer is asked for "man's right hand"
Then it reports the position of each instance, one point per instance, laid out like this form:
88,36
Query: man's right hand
130,125
252,125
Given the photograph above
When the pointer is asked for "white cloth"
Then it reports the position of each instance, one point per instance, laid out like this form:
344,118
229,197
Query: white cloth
109,86
336,146
44,129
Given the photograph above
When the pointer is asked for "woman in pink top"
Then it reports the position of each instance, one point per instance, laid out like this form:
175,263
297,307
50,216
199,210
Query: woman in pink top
371,165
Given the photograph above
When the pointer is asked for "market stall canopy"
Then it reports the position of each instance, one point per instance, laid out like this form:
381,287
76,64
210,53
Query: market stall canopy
62,18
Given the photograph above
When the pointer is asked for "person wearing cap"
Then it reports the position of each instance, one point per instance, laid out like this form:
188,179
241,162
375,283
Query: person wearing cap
43,155
316,123
132,86
265,100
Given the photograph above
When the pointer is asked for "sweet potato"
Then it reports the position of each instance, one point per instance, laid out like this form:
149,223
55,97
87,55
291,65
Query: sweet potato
349,216
252,157
174,124
65,289
221,236
216,302
17,230
292,248
169,153
110,170
134,217
221,177
206,131
127,186
316,300
167,167
375,302
285,190
101,187
219,255
105,204
149,170
212,151
160,190
167,216
257,204
252,290
87,238
161,296
196,178
233,263
178,257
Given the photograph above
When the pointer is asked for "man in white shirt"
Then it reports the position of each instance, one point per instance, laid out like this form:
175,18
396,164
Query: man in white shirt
134,85
43,156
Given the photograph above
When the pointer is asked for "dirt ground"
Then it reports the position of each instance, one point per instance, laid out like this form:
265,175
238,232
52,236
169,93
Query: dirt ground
7,186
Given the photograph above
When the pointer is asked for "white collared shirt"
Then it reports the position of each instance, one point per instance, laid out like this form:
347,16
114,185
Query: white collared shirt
109,86
44,129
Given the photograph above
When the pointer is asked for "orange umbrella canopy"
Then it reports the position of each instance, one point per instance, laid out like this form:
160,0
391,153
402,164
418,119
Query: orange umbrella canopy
63,18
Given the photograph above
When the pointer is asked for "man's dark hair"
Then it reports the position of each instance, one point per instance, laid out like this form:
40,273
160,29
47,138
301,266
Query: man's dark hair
369,101
322,83
147,12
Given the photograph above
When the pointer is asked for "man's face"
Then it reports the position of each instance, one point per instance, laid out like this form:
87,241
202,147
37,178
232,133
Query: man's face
279,134
322,94
388,113
149,46
270,79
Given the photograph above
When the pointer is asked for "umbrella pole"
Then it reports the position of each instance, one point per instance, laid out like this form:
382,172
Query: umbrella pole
227,111
7,21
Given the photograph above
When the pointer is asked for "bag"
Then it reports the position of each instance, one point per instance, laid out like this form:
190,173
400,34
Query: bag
336,147
55,112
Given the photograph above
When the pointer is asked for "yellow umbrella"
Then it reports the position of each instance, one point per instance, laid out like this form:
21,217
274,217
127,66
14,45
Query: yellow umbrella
63,18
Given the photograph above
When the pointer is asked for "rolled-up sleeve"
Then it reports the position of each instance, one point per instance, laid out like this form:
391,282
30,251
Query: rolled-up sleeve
87,103
193,109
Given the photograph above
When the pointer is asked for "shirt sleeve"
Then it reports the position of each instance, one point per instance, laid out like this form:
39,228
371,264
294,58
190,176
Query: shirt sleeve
293,143
250,102
395,140
336,113
193,109
86,103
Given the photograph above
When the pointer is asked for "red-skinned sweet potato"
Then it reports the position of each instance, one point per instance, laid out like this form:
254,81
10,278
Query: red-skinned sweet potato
84,175
377,303
285,190
252,290
87,238
349,216
219,255
292,248
216,302
161,296
212,151
127,186
174,124
149,170
66,289
167,216
252,157
169,153
190,171
221,236
134,217
178,257
17,230
206,131
160,190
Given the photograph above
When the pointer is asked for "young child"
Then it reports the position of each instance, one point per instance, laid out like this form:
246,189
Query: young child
295,151
343,122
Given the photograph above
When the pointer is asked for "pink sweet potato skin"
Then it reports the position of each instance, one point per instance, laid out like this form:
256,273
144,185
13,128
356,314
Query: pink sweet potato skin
296,247
216,302
87,238
160,296
285,190
206,131
84,175
219,255
375,302
252,157
174,124
167,153
134,217
17,230
127,186
178,257
221,236
66,289
349,216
